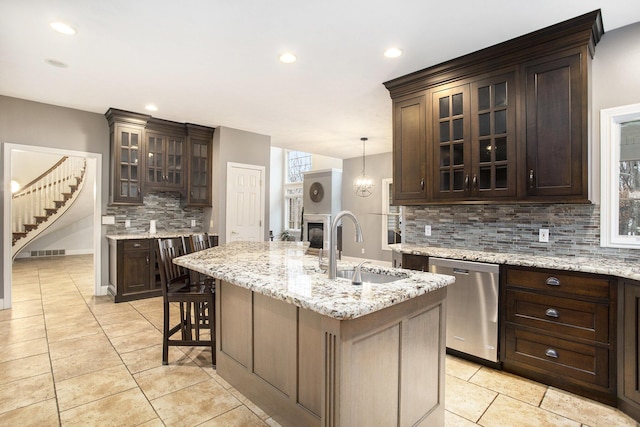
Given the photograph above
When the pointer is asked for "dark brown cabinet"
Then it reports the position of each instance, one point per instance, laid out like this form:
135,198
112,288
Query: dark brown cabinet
556,126
126,137
150,154
629,350
132,269
474,127
415,262
165,155
199,148
558,328
507,123
409,150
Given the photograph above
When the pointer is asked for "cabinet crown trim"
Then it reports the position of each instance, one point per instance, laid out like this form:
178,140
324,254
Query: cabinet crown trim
582,31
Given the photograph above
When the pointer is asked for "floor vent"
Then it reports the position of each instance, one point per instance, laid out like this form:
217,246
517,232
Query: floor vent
48,252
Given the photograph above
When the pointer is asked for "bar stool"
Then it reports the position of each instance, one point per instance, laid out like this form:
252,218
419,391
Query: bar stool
196,302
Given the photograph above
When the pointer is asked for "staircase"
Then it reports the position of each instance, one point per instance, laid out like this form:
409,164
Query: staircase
41,202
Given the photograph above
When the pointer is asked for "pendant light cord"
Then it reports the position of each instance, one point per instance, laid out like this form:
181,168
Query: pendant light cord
363,139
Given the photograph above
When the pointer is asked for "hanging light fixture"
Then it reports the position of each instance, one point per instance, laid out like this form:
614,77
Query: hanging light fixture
363,184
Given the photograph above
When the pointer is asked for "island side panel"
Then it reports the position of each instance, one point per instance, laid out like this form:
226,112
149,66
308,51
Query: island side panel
263,365
274,343
310,361
233,323
423,358
391,363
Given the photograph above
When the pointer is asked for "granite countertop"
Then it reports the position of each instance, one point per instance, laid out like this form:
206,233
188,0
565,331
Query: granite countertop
283,271
599,265
158,235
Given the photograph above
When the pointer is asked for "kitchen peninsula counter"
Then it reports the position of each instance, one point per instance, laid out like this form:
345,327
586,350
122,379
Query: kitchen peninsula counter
318,352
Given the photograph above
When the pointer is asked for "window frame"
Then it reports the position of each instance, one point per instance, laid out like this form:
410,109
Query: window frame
611,120
292,186
386,202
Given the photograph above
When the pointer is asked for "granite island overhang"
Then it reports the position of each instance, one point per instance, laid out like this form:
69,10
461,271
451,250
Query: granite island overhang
314,351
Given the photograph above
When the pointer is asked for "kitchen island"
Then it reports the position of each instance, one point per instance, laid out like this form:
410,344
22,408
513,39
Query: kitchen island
313,351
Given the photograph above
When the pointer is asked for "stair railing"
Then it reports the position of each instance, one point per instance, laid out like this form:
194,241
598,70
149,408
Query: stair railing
42,193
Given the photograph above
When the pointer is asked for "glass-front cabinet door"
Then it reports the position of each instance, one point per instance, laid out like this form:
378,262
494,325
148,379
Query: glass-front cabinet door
452,138
127,168
474,140
493,168
165,156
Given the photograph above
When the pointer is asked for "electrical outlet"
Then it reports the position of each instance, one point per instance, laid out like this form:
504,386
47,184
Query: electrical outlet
427,230
193,222
362,251
543,235
127,223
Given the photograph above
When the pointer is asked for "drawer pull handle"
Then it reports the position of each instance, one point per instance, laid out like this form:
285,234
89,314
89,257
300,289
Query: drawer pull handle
551,353
136,245
552,312
553,281
422,184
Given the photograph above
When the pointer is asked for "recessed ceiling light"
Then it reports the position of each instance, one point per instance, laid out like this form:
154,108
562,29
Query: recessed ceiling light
288,58
63,28
150,107
392,52
56,63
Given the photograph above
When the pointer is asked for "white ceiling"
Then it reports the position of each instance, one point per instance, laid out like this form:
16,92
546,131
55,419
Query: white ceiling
215,62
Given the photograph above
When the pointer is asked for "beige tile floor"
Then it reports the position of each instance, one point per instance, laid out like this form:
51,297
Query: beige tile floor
69,358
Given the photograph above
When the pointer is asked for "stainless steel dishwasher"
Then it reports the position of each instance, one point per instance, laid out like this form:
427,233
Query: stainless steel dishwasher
472,306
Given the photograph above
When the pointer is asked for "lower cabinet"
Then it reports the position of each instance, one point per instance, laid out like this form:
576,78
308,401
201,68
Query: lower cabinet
629,349
415,262
558,328
132,269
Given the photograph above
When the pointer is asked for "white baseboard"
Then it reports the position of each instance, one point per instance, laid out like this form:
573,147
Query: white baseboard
27,254
2,307
103,290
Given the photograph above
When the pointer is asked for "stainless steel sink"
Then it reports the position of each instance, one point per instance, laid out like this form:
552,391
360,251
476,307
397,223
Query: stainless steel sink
368,276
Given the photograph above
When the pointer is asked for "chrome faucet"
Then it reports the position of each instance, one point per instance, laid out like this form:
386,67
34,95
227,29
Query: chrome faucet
333,237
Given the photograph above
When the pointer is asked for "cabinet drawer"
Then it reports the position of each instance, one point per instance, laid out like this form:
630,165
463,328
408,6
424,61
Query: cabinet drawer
574,318
558,357
137,245
587,286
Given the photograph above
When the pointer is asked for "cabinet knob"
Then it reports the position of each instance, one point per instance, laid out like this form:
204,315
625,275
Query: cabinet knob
551,353
553,281
531,176
147,259
552,312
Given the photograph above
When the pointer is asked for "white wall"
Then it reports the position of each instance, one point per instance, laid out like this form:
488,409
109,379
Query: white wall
367,210
615,82
238,146
278,166
32,123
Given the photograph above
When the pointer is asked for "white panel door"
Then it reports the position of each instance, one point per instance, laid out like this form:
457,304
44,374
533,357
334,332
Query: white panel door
245,202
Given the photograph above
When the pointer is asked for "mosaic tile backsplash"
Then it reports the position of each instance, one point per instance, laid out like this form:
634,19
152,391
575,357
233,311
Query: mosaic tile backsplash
163,207
574,229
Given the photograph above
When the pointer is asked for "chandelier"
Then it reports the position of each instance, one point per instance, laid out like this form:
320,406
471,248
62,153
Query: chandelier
363,184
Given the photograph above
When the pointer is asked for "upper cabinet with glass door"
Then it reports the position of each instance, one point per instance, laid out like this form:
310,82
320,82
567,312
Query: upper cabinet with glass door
150,154
474,140
126,135
507,123
166,156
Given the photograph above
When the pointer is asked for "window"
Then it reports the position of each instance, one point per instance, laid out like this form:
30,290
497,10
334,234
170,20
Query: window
391,216
297,162
620,177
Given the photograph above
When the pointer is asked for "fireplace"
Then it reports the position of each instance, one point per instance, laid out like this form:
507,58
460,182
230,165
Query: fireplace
316,230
